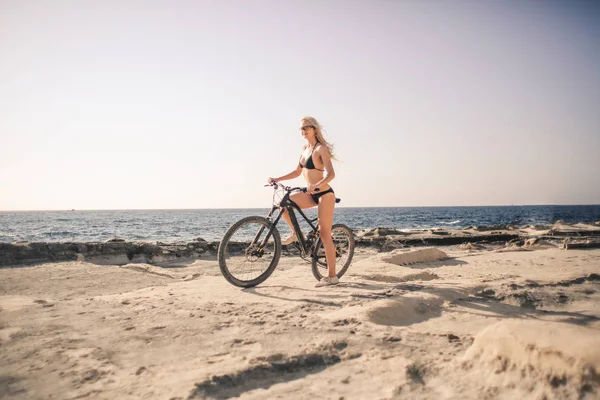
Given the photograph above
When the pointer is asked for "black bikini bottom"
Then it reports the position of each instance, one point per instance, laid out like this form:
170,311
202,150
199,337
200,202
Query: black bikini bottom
316,196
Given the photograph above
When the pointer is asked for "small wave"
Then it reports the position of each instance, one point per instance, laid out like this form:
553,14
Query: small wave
458,221
64,234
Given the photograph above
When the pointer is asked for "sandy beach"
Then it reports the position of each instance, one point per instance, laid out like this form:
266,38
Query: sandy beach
504,323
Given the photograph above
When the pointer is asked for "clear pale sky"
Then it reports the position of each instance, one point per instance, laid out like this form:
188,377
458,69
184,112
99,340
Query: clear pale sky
194,104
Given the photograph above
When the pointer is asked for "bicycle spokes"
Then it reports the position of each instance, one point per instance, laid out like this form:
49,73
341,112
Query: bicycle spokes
249,250
341,244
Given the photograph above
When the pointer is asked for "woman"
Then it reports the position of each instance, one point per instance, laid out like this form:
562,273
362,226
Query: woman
315,160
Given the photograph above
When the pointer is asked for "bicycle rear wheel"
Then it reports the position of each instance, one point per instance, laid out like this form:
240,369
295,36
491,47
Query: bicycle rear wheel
343,241
245,258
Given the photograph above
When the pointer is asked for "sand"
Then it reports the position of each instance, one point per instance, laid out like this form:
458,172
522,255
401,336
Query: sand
448,323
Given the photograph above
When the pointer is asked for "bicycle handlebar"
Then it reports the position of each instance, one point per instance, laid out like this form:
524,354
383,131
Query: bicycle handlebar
288,188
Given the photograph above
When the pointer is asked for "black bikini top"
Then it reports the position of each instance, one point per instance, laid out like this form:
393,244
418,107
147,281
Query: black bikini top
309,161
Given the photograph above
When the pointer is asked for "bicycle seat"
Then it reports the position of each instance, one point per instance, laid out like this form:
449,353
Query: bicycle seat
337,200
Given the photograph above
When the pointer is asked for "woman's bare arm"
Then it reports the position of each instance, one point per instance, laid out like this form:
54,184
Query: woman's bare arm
294,174
323,152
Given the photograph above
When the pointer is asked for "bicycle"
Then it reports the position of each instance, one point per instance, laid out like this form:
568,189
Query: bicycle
250,249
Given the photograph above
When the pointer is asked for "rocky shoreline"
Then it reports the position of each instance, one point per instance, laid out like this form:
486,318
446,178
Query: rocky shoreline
120,252
567,236
111,252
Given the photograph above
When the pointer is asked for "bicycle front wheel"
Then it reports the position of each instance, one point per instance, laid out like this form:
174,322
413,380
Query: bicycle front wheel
249,251
343,241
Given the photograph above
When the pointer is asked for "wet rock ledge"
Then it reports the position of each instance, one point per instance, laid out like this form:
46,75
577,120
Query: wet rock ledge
560,234
114,251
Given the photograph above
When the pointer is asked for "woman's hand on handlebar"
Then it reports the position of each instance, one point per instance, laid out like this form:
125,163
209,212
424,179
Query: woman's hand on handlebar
274,182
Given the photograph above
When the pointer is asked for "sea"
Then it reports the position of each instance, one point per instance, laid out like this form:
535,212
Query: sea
211,224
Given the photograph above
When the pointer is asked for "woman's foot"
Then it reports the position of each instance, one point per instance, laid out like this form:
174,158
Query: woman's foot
290,239
328,281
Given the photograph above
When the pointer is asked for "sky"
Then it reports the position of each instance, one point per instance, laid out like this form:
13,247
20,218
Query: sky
193,104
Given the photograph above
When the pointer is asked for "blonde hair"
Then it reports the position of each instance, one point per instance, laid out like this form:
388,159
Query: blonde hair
319,135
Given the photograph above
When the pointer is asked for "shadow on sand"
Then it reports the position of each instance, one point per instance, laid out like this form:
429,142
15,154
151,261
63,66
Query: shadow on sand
318,293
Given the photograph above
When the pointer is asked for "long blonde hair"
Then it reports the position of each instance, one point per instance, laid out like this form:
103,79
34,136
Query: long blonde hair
319,134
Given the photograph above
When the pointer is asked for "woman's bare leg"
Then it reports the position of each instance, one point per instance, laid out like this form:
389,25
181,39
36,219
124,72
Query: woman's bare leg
326,208
304,200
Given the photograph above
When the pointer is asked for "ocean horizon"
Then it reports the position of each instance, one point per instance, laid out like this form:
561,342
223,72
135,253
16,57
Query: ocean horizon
262,208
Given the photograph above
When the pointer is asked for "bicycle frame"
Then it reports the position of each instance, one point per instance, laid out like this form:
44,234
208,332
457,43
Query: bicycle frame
288,204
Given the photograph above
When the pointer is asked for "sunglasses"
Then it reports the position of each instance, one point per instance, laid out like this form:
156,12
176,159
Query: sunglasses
306,127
